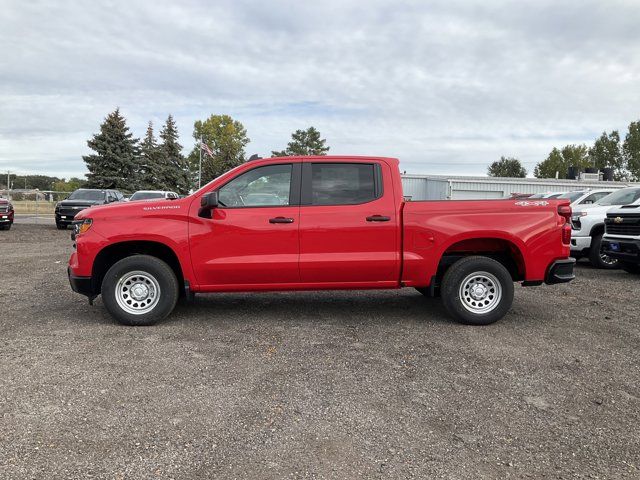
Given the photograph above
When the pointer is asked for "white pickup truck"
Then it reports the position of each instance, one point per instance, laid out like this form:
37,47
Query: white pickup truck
622,237
587,224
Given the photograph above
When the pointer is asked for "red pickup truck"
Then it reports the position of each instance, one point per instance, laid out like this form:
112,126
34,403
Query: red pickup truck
311,223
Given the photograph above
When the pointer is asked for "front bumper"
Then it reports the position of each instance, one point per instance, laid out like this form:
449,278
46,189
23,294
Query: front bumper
66,218
580,244
628,251
82,285
560,271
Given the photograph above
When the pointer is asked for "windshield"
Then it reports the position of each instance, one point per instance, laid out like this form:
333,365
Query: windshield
572,196
89,195
146,195
621,197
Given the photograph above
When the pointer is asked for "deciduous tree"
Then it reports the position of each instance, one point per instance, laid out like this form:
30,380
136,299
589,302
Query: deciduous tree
226,138
560,160
631,150
304,142
606,153
507,167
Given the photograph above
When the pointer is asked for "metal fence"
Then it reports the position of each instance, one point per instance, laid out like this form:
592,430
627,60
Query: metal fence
35,205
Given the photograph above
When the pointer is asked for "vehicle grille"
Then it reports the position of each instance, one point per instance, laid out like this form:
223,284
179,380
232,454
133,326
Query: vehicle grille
629,225
4,208
70,211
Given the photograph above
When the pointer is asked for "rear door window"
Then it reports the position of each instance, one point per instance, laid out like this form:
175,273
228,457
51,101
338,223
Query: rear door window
344,183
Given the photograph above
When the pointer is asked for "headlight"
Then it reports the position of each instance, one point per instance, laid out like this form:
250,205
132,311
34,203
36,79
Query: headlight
82,226
577,215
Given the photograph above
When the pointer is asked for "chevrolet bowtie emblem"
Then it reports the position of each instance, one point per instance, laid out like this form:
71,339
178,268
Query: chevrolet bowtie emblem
617,220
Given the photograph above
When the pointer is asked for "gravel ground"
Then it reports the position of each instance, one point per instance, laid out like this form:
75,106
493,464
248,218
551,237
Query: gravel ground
314,385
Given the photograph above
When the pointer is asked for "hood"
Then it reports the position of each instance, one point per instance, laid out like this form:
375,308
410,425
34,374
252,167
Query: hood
136,209
633,208
594,209
84,203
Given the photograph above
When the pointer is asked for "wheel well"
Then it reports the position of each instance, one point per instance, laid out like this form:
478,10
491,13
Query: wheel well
113,253
596,230
504,251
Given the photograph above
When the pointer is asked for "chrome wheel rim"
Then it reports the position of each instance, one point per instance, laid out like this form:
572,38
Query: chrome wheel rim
137,292
606,259
480,292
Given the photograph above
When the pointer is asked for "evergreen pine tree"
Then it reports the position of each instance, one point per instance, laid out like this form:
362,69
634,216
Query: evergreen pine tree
149,166
175,169
114,163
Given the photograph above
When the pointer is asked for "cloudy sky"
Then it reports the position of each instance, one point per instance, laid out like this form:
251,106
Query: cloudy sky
446,86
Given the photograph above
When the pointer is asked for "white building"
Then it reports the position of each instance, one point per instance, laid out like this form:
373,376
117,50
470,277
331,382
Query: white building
442,187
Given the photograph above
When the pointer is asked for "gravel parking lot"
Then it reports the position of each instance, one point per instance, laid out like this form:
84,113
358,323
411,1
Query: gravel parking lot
314,385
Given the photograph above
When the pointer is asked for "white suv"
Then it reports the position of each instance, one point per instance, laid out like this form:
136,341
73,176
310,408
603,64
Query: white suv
587,224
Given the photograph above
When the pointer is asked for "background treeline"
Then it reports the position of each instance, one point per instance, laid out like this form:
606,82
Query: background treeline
127,163
42,182
607,151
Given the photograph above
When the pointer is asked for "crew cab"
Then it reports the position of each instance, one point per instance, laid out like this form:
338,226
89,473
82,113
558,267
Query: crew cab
80,199
311,223
6,214
587,222
622,236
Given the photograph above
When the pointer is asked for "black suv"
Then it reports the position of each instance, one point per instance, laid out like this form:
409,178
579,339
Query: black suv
83,198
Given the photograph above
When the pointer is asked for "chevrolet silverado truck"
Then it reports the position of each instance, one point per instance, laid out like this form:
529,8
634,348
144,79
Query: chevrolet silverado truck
66,210
6,214
622,236
588,223
317,223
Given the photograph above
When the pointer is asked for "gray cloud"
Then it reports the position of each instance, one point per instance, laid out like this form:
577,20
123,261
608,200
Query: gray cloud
445,86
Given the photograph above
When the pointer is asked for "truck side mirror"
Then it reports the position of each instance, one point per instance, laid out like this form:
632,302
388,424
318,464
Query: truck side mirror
208,202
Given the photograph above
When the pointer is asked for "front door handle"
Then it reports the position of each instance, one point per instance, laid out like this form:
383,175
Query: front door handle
281,220
378,218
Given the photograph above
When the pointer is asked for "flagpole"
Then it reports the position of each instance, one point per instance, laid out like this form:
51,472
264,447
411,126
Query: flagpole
200,166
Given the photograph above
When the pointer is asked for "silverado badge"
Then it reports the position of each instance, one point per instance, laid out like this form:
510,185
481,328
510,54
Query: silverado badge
617,220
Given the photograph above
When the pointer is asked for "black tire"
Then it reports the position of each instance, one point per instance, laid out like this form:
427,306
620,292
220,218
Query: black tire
595,255
459,274
5,227
630,267
61,226
151,269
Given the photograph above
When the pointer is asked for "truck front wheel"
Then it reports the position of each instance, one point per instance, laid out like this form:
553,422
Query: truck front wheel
140,290
477,290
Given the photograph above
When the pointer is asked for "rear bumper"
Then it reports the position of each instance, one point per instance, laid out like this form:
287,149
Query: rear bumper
82,285
560,271
629,249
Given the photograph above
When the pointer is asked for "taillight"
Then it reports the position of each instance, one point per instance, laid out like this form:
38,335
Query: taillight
566,234
565,211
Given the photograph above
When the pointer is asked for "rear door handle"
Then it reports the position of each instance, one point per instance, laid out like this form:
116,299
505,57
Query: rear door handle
378,218
281,220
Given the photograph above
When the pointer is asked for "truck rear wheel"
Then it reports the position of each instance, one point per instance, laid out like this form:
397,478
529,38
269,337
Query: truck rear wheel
598,258
477,290
140,290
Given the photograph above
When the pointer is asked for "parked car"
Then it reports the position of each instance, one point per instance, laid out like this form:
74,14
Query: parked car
622,236
548,195
344,225
82,198
586,197
153,195
6,214
587,223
